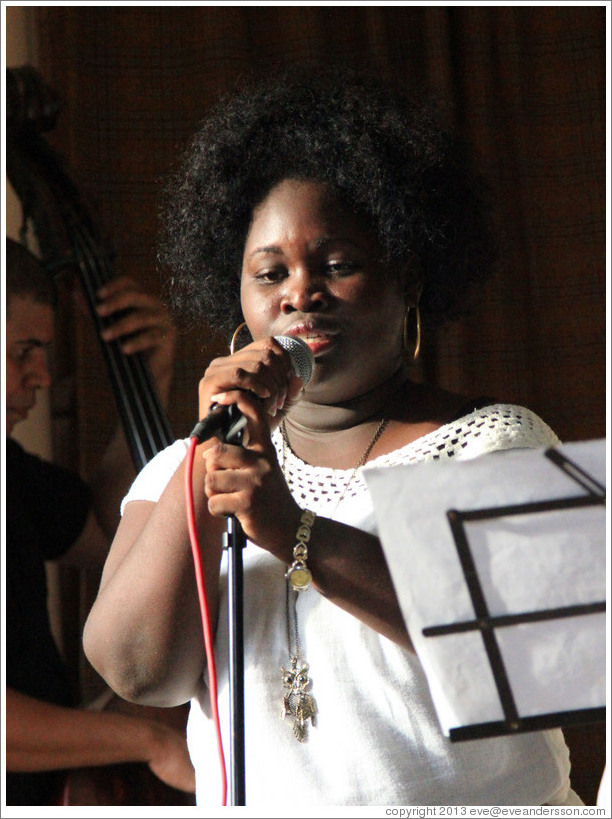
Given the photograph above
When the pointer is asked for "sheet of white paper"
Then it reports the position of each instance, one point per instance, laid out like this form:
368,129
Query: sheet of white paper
524,563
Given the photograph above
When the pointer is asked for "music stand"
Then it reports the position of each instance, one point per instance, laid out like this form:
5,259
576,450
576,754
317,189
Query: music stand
499,567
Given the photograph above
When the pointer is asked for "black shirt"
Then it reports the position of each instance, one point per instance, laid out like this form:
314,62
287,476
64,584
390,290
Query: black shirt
46,510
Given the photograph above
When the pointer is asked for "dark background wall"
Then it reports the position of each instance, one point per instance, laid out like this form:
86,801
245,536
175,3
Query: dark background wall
525,84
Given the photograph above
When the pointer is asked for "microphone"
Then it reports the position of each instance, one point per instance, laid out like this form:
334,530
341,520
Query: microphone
227,422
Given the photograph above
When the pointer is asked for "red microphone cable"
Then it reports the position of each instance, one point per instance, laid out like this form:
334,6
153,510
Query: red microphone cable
208,639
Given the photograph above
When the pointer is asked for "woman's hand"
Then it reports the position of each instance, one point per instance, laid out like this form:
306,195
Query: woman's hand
248,483
263,369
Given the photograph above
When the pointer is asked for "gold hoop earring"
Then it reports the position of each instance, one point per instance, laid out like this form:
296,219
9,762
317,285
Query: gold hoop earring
235,336
417,343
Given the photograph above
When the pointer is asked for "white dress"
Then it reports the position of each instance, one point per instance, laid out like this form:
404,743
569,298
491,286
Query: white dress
377,740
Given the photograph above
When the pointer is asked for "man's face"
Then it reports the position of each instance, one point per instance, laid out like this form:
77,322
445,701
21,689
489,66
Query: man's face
29,332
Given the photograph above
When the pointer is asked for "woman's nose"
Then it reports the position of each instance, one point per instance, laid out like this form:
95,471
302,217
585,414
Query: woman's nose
304,292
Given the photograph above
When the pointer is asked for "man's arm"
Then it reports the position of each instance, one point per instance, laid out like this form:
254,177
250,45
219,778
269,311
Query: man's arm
43,737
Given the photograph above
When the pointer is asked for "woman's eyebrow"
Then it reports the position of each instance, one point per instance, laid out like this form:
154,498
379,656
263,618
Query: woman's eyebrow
266,249
317,244
355,241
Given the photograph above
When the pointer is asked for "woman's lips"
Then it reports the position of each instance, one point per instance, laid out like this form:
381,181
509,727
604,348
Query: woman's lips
318,340
318,343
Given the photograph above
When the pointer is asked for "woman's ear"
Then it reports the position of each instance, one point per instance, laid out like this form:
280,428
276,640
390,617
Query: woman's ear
412,275
413,287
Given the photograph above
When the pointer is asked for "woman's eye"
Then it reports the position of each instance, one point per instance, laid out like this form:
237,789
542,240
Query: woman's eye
270,275
342,268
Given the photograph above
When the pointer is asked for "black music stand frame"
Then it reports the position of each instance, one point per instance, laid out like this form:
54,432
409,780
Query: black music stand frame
484,622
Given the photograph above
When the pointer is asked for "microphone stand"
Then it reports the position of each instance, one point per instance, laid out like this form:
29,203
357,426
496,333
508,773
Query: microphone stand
228,425
235,542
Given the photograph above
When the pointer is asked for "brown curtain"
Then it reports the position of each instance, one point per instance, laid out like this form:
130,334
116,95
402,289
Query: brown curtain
525,84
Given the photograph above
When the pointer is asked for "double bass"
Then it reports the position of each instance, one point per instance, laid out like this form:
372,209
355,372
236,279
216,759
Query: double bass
68,240
49,197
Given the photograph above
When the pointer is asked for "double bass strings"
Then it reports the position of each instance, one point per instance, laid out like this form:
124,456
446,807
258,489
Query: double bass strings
147,427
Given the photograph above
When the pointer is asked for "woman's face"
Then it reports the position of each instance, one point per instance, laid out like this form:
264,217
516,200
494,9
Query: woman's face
311,268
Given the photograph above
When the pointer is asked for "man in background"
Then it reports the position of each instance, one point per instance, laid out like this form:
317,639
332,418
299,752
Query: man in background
53,514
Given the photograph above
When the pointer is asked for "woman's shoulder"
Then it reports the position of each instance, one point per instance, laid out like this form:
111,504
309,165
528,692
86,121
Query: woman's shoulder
509,424
481,427
153,477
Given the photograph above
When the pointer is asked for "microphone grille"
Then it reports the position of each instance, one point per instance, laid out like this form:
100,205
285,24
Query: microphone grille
301,356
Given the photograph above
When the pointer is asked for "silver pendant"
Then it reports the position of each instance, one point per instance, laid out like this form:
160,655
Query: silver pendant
297,701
